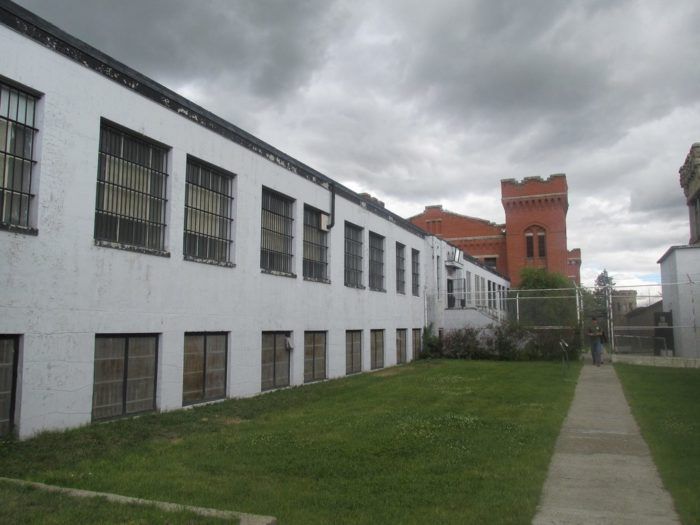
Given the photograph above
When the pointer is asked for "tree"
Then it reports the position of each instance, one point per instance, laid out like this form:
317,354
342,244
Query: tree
602,283
545,298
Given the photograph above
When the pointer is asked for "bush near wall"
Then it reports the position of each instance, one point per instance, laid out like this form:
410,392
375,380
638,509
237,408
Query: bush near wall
505,342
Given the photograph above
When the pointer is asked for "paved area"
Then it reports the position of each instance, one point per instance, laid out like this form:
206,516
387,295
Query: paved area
602,471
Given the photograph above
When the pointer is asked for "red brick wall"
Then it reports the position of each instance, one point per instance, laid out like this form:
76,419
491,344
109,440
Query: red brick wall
533,202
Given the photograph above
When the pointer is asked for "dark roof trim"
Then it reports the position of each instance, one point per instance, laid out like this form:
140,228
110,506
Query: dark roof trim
54,38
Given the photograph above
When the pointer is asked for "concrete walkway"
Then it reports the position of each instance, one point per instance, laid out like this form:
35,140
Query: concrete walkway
602,471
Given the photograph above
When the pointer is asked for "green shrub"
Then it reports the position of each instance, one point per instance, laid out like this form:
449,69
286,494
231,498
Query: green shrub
505,342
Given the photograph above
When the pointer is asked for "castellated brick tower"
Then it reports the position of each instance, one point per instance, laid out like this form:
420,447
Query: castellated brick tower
534,233
536,226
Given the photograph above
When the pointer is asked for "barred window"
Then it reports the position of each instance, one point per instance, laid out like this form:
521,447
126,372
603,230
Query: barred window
275,360
415,271
377,348
376,262
131,190
400,268
416,343
125,375
314,356
353,351
353,255
204,369
17,133
401,345
208,212
315,245
277,237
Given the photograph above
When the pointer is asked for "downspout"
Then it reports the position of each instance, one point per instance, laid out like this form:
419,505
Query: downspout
332,221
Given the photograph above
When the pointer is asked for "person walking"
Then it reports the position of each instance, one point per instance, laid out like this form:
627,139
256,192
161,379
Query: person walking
595,333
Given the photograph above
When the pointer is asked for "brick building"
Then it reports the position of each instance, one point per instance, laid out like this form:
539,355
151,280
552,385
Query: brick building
534,233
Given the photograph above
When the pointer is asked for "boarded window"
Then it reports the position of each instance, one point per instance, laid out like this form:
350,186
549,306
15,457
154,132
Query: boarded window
315,245
401,345
208,212
400,268
353,255
125,375
377,348
417,346
204,369
277,232
8,382
131,190
314,356
376,262
17,132
353,351
275,360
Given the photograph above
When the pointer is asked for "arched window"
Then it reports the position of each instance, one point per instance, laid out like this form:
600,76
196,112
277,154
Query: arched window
535,242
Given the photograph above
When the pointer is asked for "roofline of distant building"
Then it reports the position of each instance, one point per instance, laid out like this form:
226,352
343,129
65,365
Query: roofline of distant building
674,248
48,35
448,212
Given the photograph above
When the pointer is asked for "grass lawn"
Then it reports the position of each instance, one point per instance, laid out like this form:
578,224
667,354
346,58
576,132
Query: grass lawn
432,442
27,505
666,404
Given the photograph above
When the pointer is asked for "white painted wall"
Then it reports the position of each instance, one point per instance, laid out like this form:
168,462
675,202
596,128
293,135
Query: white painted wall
680,278
475,313
58,289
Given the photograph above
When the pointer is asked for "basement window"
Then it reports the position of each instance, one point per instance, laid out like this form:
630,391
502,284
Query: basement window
377,348
314,356
204,367
417,346
125,375
276,350
400,345
9,351
353,351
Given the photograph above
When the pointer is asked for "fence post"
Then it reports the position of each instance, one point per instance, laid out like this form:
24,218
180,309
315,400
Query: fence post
517,306
611,324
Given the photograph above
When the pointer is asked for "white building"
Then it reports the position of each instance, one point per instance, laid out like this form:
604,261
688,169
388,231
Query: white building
680,268
156,256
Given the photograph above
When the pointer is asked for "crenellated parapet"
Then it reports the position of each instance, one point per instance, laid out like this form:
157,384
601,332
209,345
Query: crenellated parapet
535,192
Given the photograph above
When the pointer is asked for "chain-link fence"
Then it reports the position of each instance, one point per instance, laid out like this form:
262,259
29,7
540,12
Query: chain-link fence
636,319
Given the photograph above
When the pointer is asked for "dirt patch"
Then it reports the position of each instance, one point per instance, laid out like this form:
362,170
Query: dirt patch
233,420
393,371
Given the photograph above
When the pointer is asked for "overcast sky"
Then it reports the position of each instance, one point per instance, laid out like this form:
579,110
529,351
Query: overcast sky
433,103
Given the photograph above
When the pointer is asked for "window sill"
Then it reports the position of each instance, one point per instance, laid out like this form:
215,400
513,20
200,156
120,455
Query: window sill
212,262
278,273
314,280
400,293
356,286
14,228
381,290
131,248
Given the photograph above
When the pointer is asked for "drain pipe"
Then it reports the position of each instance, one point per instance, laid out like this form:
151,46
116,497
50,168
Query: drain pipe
332,221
